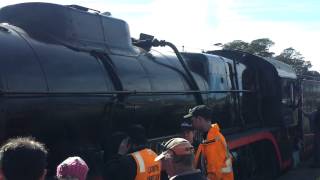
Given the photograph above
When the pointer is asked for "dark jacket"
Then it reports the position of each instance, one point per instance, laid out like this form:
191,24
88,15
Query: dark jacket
123,168
112,167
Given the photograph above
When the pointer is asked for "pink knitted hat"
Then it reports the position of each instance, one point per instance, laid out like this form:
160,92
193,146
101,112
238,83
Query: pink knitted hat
73,167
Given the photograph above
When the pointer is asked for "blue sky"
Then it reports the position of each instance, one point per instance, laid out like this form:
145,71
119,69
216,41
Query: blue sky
198,24
281,10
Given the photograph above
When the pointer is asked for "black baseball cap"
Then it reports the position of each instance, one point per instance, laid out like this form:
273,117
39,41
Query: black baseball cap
200,110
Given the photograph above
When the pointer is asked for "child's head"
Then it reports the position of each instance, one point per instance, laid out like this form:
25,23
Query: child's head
72,168
187,131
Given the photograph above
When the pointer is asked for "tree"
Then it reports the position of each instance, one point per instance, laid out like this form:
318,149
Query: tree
295,59
258,47
261,47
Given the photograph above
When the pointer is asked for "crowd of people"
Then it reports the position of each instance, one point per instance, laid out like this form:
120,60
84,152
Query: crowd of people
129,158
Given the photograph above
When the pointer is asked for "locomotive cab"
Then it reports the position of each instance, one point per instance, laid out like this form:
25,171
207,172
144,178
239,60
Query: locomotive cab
289,92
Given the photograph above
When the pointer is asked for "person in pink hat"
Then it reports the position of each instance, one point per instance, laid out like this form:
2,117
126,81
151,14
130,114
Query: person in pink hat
73,168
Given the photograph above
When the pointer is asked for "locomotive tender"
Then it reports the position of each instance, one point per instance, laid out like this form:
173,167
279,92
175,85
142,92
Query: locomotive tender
70,76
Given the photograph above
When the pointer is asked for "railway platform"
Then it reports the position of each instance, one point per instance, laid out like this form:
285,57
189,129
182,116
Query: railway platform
302,172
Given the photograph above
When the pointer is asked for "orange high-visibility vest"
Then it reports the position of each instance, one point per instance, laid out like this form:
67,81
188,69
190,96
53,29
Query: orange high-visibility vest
214,155
147,168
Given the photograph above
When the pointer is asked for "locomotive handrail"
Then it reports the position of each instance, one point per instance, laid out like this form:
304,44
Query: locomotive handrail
125,92
162,138
81,8
308,77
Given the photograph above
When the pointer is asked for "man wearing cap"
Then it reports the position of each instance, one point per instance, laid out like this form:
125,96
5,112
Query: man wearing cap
139,164
177,160
213,156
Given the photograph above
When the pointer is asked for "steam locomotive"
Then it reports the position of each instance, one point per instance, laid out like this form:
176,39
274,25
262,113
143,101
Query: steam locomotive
70,76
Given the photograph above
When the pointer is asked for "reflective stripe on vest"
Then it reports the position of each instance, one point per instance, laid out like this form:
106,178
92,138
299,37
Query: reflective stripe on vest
228,168
147,168
228,162
140,161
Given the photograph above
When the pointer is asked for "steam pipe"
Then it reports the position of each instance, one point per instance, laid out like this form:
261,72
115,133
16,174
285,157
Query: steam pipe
191,80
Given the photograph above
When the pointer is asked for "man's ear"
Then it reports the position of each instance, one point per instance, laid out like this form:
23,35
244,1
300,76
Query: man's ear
43,176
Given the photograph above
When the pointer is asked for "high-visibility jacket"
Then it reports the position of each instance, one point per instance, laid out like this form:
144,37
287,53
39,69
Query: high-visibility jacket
214,157
147,168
